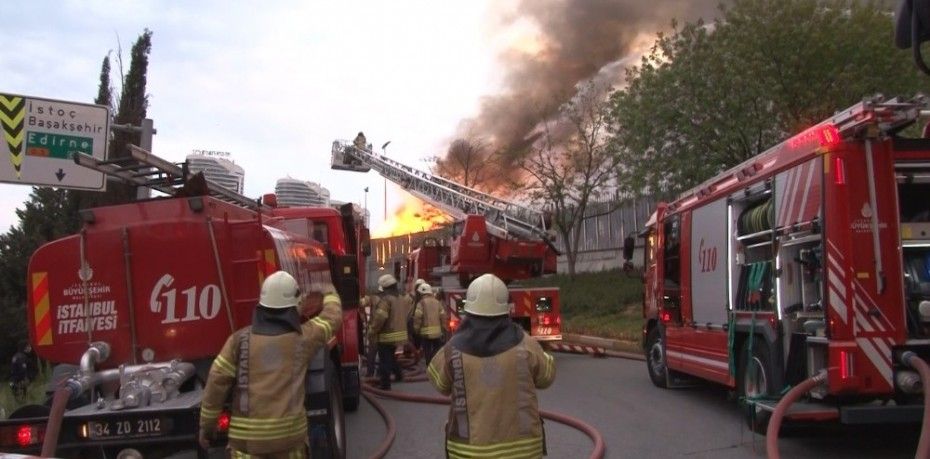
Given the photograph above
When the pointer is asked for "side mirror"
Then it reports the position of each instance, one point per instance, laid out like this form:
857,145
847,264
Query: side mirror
912,27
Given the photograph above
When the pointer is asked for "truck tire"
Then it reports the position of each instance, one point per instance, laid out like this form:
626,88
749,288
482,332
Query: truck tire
350,403
328,435
655,358
755,380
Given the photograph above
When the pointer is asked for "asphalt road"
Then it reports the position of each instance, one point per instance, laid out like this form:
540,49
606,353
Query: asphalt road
636,419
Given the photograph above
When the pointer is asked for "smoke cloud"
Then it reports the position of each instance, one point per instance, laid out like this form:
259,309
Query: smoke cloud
564,43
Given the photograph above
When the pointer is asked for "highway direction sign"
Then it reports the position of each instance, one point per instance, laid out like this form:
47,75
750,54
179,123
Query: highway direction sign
38,137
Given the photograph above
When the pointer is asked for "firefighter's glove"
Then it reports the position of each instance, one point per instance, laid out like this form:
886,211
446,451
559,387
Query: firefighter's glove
206,436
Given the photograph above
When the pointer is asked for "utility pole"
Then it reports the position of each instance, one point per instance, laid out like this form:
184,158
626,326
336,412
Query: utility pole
384,152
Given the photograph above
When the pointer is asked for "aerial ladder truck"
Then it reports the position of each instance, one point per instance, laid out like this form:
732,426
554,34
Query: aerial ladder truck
490,235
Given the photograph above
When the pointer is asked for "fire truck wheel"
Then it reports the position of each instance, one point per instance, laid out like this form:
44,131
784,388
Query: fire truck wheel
754,381
334,445
655,358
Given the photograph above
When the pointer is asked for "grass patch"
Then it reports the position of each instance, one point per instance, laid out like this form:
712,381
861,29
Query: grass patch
606,304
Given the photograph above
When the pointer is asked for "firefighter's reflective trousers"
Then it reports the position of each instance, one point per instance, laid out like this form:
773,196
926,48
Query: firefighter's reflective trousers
296,453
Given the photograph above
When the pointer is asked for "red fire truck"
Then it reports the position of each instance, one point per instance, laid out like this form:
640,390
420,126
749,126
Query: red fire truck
452,267
812,256
490,235
134,308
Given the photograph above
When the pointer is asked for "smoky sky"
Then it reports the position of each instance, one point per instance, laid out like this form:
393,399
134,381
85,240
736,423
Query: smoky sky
580,39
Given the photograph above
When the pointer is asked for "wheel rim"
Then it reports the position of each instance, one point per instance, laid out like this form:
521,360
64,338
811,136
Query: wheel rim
657,359
338,423
755,383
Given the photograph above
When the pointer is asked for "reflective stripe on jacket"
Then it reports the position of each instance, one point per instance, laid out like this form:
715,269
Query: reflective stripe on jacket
268,416
389,321
501,414
429,317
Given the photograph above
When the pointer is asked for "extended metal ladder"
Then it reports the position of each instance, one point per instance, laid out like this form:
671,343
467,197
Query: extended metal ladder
888,116
507,217
142,168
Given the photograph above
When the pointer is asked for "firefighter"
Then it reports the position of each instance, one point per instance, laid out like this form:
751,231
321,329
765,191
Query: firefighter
429,321
413,336
388,329
265,366
360,142
19,371
492,369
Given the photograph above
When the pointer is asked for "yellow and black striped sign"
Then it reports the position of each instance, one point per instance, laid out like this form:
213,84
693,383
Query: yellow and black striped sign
12,115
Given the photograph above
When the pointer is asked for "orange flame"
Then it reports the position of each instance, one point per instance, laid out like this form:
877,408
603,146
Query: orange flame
412,216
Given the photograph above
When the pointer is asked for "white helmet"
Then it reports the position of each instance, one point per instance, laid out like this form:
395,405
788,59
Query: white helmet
487,296
424,289
280,291
417,283
386,281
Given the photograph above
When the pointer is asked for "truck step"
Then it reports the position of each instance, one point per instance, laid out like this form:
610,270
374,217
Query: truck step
803,411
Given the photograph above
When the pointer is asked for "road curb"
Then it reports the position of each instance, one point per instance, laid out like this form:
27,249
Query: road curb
609,347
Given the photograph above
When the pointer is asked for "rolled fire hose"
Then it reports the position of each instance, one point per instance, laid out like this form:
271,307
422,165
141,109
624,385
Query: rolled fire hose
771,434
911,359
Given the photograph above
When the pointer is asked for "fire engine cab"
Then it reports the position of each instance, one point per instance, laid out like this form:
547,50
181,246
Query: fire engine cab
812,256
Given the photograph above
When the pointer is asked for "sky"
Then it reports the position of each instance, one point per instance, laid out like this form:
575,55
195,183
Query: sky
272,82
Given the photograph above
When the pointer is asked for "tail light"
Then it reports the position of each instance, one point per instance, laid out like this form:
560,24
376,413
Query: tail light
222,422
846,365
22,435
829,136
453,324
665,316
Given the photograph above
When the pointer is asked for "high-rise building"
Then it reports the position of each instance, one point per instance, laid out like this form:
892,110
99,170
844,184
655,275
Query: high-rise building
293,192
218,169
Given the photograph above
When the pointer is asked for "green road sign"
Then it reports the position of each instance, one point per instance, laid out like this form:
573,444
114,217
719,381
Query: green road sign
39,137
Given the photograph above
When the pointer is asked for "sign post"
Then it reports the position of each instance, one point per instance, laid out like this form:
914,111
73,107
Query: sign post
39,136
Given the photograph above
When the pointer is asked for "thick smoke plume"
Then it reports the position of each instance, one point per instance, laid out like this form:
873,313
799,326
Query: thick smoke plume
573,41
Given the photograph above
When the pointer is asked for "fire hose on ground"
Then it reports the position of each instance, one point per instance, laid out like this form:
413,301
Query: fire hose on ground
771,434
911,359
417,375
908,358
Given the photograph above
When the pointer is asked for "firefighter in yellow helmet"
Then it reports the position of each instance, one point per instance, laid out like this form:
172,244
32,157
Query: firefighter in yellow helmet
264,365
429,321
388,328
415,297
492,369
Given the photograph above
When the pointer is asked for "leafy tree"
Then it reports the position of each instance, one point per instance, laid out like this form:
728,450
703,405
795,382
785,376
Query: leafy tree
709,96
104,91
469,162
571,165
133,104
46,216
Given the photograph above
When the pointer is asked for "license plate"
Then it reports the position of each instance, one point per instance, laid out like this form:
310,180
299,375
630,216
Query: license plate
126,428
